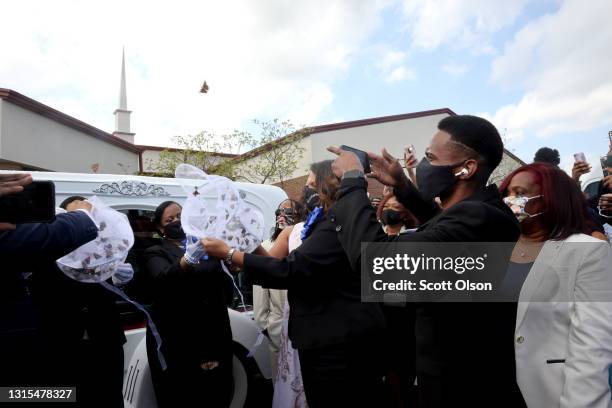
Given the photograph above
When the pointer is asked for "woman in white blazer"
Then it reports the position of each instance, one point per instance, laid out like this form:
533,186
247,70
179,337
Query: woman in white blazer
562,278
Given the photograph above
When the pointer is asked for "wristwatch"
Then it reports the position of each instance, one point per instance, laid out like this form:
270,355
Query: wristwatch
353,174
228,257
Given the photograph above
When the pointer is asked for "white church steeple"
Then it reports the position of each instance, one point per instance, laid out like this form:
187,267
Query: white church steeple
122,114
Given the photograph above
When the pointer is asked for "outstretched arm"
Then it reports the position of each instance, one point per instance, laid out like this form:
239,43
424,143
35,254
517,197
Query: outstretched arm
47,241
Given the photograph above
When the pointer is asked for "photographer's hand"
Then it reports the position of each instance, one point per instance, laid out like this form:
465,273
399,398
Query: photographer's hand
13,183
607,182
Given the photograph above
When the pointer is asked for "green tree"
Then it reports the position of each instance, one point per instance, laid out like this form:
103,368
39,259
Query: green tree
274,155
203,150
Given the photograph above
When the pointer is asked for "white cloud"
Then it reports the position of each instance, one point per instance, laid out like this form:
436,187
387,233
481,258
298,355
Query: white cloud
261,59
391,58
563,62
399,74
465,24
392,64
455,70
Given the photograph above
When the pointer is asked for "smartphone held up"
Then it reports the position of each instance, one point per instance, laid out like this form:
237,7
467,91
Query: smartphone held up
579,157
410,160
361,155
36,203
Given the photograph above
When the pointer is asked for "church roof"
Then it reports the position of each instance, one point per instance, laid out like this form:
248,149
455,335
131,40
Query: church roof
32,105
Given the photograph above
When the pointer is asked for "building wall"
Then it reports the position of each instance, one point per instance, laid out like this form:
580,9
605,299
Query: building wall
507,165
294,187
393,135
149,158
35,140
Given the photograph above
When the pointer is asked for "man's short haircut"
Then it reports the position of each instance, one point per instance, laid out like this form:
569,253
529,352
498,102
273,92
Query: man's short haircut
547,155
70,199
480,136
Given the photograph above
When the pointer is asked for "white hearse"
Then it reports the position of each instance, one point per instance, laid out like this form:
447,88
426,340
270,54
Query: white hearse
138,196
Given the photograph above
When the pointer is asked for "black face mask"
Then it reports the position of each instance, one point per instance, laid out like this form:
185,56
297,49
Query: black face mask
174,230
311,198
434,181
391,217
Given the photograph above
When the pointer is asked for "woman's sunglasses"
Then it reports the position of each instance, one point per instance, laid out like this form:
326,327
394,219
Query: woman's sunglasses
287,212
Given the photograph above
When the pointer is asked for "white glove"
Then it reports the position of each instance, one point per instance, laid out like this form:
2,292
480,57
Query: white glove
123,274
194,251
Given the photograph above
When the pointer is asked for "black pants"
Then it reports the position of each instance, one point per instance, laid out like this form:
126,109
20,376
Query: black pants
343,375
400,355
185,383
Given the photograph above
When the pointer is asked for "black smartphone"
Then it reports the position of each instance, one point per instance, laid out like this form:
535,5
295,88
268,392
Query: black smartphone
363,157
606,162
36,203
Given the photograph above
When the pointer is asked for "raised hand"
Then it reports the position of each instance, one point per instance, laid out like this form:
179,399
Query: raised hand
579,169
13,183
344,162
387,169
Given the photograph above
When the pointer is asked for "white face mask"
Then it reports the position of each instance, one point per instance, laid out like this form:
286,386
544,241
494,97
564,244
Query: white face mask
518,203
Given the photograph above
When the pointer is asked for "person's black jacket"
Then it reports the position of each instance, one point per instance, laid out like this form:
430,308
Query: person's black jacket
462,346
324,290
594,203
32,247
75,330
189,307
30,244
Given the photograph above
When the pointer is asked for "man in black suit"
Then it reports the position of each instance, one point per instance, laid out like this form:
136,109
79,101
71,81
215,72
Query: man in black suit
462,360
25,248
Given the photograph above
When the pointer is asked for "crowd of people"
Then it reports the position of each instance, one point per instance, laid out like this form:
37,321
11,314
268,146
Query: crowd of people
549,346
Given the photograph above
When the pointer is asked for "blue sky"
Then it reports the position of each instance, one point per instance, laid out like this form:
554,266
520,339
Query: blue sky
361,93
538,69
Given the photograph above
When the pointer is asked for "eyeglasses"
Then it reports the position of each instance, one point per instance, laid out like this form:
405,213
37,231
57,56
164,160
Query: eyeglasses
287,212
